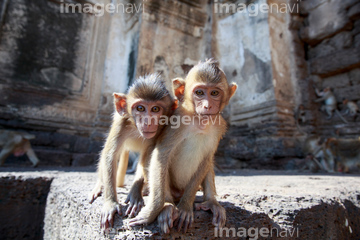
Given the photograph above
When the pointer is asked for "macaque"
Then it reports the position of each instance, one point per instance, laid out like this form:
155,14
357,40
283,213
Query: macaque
183,158
135,127
314,150
329,103
300,116
345,152
351,108
16,143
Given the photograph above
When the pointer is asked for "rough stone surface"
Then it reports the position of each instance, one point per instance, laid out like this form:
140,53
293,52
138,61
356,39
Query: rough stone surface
309,206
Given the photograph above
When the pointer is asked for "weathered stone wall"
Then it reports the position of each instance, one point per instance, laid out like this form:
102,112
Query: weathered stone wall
331,36
58,71
51,73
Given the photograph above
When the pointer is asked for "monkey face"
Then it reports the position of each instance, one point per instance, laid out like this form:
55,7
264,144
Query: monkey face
147,115
207,99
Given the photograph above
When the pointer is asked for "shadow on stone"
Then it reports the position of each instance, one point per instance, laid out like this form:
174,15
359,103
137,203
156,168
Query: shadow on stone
22,207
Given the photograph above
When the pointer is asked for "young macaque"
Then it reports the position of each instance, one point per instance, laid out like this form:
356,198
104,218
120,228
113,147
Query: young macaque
329,103
183,158
314,150
351,108
135,127
16,143
346,153
300,116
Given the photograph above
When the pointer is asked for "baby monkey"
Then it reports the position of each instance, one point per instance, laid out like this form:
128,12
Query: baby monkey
135,127
183,158
352,108
329,103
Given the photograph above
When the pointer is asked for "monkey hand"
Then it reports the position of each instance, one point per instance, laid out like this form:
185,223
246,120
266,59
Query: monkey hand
186,216
95,193
146,216
219,213
167,217
136,203
108,214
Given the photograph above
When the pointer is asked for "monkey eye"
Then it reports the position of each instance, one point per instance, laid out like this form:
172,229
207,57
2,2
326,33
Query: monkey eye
155,109
214,93
199,92
140,108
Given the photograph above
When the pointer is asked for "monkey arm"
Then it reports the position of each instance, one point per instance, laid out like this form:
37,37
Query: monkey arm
157,182
108,167
159,185
185,206
210,202
135,195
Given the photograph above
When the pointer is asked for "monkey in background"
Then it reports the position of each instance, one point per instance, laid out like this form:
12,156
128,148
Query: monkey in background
344,152
313,149
329,103
16,143
351,108
135,127
183,158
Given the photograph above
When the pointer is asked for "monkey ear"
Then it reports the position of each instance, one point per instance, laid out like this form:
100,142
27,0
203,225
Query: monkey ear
175,105
232,89
179,88
120,103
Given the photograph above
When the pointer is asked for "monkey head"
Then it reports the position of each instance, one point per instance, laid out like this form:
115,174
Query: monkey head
205,90
147,100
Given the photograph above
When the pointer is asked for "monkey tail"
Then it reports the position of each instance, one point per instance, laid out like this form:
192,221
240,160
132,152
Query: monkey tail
342,118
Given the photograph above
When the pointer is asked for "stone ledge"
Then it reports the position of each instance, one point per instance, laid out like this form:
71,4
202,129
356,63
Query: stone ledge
314,206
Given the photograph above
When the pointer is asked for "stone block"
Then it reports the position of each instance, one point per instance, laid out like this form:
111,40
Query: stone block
337,81
336,63
82,145
357,41
356,28
53,157
354,12
306,6
83,160
325,20
352,93
354,76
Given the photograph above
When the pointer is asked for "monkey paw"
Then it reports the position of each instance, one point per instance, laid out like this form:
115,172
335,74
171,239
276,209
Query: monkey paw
186,218
95,193
167,217
145,217
108,214
136,203
219,213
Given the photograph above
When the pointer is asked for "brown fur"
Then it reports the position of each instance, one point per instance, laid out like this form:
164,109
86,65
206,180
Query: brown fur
124,136
183,158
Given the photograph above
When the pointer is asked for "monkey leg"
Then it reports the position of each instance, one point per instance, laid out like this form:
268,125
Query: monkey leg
32,156
210,202
121,168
